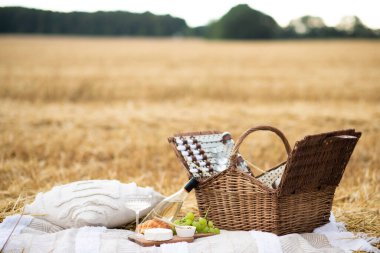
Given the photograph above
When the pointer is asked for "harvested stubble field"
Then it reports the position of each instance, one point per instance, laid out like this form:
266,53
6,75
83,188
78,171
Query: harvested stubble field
102,108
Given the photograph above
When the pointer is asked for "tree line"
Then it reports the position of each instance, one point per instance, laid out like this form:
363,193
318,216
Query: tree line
241,22
24,20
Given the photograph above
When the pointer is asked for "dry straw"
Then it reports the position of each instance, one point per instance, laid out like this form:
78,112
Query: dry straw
133,95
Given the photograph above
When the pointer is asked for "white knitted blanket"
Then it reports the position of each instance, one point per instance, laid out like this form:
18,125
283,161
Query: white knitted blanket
30,234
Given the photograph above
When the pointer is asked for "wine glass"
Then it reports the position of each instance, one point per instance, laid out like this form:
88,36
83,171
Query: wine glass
138,203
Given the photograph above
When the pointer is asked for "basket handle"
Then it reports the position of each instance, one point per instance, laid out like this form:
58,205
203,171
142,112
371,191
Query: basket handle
235,151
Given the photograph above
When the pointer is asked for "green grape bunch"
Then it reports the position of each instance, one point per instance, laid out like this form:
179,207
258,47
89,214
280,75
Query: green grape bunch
201,224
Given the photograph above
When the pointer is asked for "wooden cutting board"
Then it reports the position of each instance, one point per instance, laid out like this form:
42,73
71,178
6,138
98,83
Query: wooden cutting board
146,243
200,235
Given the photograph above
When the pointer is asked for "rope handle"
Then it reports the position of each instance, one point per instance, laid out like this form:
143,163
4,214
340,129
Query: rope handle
235,151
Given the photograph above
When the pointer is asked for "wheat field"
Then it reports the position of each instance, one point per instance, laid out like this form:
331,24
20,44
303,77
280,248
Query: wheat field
102,108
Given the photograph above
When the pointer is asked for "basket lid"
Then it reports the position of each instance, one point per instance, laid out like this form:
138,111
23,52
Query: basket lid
318,161
178,154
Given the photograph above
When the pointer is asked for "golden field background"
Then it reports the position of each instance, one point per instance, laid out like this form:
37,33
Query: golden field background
102,108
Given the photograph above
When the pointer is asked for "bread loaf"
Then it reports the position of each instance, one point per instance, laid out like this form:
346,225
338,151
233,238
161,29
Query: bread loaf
155,223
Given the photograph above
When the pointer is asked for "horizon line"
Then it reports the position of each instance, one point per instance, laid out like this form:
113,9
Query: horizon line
168,14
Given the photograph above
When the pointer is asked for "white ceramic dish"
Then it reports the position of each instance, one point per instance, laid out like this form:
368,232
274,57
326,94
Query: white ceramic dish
185,231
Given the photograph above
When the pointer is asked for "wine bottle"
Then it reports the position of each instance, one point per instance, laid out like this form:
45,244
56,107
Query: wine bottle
169,208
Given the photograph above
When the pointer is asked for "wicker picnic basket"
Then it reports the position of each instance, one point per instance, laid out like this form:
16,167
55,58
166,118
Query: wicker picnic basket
303,200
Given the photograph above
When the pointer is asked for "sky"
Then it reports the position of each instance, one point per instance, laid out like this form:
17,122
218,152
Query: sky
201,12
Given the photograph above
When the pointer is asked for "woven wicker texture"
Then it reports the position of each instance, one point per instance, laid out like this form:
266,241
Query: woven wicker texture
237,201
318,161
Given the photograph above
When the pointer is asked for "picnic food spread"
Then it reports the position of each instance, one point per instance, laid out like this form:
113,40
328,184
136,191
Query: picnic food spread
185,229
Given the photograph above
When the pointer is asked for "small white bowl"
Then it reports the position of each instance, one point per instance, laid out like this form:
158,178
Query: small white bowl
185,231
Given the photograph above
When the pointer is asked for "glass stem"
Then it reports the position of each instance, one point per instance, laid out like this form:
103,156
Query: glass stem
137,220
